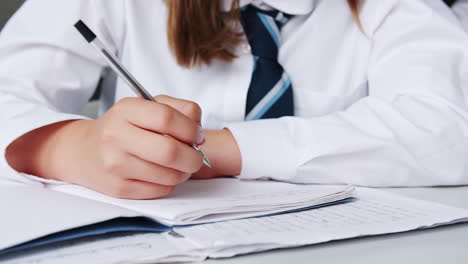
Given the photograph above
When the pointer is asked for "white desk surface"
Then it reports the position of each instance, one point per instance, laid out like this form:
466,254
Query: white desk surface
446,245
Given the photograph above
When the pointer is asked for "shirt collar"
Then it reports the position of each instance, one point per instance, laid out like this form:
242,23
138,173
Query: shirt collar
294,7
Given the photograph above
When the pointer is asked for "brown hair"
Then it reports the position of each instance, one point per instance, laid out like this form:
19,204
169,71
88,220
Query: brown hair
200,32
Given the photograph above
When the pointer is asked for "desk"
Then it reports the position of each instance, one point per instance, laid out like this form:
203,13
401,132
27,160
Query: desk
446,245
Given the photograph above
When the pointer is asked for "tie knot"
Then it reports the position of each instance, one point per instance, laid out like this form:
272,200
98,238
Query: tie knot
279,17
263,30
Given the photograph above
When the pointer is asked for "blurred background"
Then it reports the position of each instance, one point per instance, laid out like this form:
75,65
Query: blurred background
7,8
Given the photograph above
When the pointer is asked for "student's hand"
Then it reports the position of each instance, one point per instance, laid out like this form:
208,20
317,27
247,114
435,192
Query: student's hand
138,150
222,150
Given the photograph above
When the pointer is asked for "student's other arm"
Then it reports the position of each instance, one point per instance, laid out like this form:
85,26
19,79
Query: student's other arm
412,129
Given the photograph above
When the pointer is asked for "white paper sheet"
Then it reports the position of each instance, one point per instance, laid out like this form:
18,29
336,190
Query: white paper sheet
375,212
222,199
31,212
137,248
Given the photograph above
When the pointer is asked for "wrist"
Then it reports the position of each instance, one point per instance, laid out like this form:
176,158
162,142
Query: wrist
65,150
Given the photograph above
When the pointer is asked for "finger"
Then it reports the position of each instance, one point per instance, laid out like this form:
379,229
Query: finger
142,170
159,149
188,108
138,190
160,118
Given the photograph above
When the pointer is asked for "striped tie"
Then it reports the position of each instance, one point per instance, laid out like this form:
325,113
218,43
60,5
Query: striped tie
270,93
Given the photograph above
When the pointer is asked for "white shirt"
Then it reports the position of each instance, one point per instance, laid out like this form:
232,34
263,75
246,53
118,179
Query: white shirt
388,108
461,10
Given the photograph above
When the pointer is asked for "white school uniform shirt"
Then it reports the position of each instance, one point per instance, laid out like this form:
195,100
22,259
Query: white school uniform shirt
384,108
460,7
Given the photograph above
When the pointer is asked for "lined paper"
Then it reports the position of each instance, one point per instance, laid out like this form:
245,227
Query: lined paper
375,212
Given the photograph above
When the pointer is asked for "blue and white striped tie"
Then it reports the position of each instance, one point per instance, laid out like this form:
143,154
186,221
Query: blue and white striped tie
270,93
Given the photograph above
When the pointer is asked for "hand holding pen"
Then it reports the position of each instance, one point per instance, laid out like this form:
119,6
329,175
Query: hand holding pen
123,73
138,149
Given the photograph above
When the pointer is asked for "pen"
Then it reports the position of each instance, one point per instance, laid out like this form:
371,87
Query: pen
123,73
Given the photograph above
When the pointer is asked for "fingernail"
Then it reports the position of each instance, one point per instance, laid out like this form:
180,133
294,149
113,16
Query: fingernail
200,136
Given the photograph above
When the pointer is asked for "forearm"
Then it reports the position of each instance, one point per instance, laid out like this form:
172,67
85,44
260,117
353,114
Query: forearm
46,151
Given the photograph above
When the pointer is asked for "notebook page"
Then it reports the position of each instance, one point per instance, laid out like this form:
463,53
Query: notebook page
199,198
375,212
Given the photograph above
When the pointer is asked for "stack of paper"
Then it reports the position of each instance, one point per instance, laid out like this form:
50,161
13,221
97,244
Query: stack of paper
374,212
223,199
60,217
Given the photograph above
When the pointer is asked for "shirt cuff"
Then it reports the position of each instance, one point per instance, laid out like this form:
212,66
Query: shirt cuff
266,148
18,126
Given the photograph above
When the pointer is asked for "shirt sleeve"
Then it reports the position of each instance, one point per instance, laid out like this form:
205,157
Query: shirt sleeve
47,71
411,129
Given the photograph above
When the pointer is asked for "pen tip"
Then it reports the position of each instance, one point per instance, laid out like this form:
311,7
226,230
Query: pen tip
207,162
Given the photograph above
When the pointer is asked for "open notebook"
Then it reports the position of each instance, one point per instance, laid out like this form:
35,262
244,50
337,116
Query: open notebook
35,216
